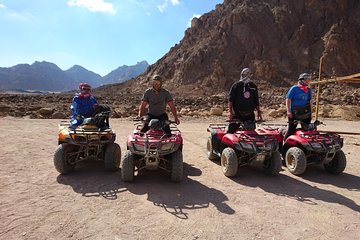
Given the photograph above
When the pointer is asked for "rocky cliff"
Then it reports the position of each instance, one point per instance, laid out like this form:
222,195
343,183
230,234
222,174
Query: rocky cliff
278,39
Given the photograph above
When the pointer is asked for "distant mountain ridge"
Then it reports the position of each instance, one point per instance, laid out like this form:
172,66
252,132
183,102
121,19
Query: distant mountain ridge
46,76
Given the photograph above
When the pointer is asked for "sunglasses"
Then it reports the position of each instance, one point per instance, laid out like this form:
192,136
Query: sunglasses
86,89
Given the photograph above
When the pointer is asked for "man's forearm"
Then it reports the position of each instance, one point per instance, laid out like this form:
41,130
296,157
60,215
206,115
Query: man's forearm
142,109
288,104
173,109
230,106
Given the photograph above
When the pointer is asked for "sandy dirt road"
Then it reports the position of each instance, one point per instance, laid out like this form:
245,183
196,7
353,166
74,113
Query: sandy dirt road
38,203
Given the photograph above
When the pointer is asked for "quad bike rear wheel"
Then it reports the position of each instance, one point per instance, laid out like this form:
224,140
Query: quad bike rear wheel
112,157
177,166
63,156
273,164
229,162
295,160
338,164
210,150
127,167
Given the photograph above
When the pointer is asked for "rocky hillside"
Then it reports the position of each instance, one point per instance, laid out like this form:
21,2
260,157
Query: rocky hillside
277,39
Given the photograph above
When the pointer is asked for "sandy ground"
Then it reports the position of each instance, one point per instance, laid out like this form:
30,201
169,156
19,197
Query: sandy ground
38,203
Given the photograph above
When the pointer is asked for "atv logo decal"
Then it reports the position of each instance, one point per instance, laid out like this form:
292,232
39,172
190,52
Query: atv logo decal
246,94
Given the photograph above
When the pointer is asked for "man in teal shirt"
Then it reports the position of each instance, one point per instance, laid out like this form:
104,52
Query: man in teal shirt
298,103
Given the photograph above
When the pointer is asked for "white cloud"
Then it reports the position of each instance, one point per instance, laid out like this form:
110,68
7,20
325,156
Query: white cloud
138,3
164,5
175,2
20,17
93,5
2,6
194,16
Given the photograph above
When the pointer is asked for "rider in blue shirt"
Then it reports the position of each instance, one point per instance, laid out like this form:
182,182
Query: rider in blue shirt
298,103
83,105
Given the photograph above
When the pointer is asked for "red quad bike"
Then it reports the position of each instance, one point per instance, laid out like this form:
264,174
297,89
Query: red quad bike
244,147
153,150
308,146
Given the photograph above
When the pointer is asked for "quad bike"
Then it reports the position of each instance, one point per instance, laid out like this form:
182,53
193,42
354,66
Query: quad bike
244,147
86,142
308,146
153,150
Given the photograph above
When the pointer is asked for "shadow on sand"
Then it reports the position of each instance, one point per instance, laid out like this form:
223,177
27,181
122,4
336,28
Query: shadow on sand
290,187
174,198
344,180
91,180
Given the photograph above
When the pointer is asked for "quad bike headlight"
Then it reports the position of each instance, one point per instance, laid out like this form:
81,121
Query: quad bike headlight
316,145
247,146
166,146
138,147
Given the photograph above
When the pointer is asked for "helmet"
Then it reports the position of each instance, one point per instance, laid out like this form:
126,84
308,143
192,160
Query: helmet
304,76
246,72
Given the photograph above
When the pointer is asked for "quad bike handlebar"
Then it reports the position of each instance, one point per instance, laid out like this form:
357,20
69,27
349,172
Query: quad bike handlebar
142,119
309,126
238,121
316,123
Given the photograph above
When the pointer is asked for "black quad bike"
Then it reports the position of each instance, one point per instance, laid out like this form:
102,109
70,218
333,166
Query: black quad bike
244,147
86,142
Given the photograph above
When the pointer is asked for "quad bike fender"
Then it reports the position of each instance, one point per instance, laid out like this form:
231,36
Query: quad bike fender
294,140
216,135
230,140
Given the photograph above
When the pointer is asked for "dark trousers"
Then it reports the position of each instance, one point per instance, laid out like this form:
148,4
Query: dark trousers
162,118
247,116
292,126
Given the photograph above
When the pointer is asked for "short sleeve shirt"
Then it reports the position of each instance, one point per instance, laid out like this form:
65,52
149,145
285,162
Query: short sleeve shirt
299,97
157,101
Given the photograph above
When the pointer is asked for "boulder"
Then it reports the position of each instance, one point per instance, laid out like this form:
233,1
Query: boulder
216,111
46,112
58,115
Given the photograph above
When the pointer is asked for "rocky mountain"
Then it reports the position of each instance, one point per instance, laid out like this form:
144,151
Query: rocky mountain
80,74
277,39
43,76
125,72
46,76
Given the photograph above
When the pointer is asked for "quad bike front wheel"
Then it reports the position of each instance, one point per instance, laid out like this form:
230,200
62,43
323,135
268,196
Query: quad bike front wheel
338,164
127,167
273,164
112,157
177,166
210,150
229,162
295,160
62,158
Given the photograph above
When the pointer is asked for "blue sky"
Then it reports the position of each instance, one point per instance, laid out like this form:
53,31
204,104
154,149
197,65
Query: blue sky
99,35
